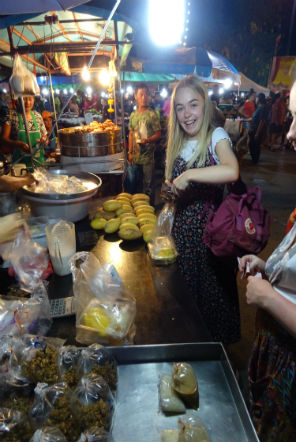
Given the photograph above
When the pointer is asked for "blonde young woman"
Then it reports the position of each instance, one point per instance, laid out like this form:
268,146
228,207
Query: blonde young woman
195,183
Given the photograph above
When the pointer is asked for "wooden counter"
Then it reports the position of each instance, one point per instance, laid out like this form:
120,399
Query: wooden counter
166,313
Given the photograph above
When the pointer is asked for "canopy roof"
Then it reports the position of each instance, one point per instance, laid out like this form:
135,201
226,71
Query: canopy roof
62,46
247,84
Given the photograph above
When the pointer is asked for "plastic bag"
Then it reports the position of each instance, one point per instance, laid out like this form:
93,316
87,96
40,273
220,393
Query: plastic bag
39,359
68,360
22,81
14,426
162,249
97,359
95,435
52,408
48,434
28,259
25,315
92,402
105,311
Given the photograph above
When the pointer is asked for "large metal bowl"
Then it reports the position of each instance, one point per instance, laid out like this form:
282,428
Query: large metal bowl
70,207
89,144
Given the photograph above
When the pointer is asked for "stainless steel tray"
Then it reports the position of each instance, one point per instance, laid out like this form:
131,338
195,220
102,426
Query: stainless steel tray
221,406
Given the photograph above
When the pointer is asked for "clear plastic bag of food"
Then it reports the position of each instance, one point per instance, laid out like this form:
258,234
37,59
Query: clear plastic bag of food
29,260
162,249
105,311
48,434
51,408
39,359
14,426
22,81
98,360
25,315
68,363
95,435
192,428
93,403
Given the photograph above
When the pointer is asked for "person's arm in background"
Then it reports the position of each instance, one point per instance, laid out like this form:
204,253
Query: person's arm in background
7,141
130,145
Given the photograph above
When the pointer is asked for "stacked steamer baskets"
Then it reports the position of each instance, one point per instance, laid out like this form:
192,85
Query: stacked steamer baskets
95,147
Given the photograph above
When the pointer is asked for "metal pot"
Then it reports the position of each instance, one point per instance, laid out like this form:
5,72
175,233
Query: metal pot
70,207
89,144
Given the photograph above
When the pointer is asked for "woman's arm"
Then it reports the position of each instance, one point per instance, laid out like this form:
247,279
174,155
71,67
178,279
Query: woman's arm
225,172
261,294
6,131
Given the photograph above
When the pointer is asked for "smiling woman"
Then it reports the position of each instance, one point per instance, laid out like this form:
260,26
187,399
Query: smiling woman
196,183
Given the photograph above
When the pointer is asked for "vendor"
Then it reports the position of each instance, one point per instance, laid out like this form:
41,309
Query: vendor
15,137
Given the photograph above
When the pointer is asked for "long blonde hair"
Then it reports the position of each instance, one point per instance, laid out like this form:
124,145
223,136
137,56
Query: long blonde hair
176,135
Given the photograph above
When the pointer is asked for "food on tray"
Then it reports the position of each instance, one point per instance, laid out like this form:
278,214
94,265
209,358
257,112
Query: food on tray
128,214
169,399
42,367
111,205
190,429
98,223
185,384
112,225
94,127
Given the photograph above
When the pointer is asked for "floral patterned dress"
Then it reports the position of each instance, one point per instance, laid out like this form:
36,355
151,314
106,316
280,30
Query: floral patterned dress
211,280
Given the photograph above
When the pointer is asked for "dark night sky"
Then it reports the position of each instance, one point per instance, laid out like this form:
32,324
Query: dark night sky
218,25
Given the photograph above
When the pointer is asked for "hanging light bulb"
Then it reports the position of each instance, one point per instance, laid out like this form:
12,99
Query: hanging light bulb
104,77
85,74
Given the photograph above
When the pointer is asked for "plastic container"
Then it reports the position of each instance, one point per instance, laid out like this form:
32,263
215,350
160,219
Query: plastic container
162,250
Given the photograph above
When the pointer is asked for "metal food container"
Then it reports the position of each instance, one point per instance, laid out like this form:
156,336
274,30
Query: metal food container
89,144
70,207
138,417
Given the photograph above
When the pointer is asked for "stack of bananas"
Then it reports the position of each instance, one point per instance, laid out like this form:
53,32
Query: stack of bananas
131,216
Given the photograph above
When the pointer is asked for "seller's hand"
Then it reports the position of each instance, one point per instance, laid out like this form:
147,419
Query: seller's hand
180,184
11,184
144,141
250,265
9,226
259,292
43,140
130,157
24,146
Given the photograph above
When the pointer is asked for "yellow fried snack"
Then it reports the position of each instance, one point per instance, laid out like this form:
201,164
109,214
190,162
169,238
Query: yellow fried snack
129,234
98,223
112,225
112,205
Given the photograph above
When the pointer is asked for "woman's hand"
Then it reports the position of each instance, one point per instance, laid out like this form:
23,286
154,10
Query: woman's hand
43,140
9,226
24,146
259,292
130,157
180,184
250,265
166,192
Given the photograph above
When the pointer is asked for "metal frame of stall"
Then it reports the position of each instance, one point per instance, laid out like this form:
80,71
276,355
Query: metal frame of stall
57,118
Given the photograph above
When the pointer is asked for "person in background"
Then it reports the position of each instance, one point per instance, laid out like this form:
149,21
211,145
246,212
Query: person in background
15,138
258,128
48,122
144,132
272,365
73,106
277,121
248,108
57,103
196,184
215,95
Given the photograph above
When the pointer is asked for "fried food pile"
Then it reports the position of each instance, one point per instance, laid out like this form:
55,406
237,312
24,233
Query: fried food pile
94,127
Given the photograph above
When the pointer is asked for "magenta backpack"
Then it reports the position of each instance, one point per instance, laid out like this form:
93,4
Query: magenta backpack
240,225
